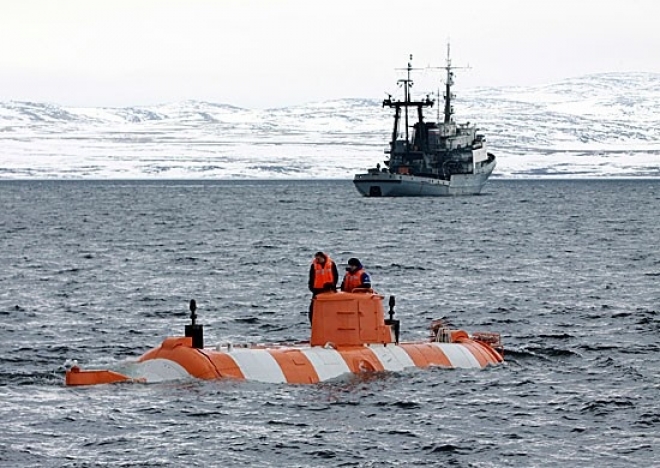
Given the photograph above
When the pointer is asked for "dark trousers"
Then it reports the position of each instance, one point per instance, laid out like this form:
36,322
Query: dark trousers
311,304
311,308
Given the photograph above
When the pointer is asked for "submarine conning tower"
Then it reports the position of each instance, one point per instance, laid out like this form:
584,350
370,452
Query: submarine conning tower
342,319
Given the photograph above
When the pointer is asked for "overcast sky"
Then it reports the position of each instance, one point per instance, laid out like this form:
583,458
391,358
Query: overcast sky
269,53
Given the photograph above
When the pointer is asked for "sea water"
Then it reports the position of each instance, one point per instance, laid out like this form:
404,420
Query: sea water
101,271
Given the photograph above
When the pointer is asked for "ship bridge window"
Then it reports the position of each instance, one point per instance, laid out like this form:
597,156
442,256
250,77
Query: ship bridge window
400,145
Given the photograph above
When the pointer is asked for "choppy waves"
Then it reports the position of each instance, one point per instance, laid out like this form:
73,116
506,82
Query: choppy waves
102,271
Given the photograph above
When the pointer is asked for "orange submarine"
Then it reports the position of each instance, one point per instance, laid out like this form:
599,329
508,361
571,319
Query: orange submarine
350,335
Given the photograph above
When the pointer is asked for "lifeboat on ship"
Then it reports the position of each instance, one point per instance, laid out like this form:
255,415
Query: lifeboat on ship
350,335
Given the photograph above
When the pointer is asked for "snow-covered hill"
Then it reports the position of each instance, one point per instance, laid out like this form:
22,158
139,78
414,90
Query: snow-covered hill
605,125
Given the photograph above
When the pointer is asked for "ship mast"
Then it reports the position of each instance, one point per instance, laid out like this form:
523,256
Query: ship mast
449,110
407,84
405,103
448,85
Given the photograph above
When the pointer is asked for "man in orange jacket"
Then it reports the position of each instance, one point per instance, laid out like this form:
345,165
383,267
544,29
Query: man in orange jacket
355,277
323,276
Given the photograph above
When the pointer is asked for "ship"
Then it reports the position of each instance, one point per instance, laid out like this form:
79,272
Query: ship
349,336
442,158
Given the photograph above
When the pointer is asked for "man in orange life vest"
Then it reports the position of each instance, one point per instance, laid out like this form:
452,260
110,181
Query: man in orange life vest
355,276
323,277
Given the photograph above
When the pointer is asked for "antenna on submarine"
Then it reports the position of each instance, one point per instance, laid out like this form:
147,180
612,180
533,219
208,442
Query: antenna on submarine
195,330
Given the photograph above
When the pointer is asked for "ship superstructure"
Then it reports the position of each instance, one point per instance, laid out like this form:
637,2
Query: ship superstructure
439,158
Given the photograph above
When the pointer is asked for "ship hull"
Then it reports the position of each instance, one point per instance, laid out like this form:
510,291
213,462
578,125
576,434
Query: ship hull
384,184
177,360
349,335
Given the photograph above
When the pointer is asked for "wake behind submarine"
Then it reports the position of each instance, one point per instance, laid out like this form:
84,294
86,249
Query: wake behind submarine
349,335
